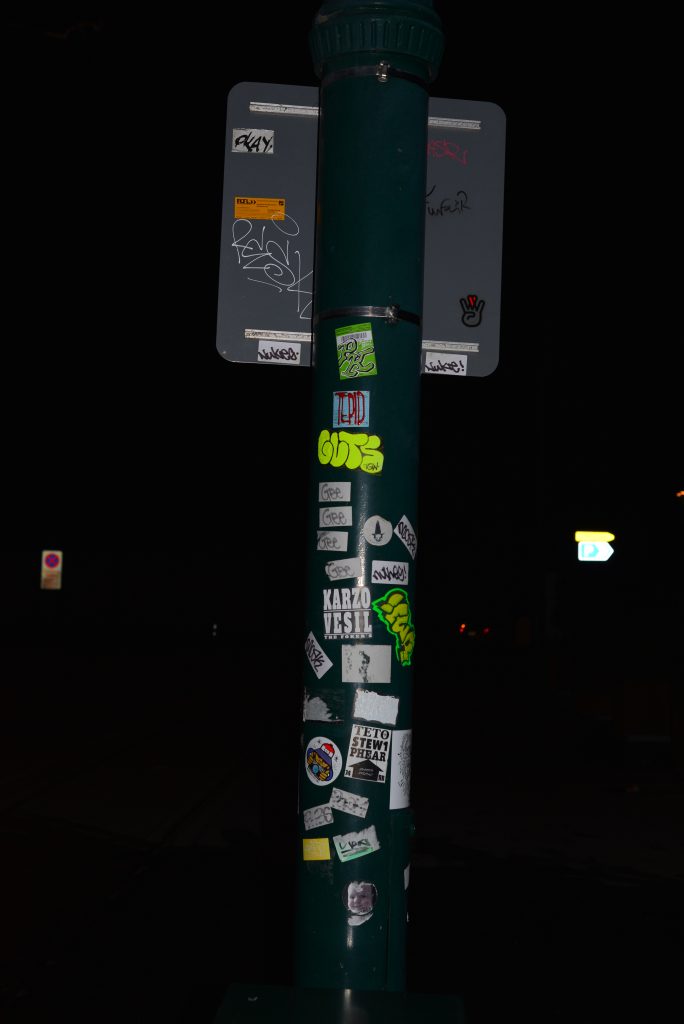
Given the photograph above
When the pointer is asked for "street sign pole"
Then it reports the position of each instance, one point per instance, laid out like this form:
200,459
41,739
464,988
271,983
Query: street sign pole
375,60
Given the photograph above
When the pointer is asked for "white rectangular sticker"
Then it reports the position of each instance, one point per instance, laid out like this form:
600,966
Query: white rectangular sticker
407,534
289,353
338,515
454,365
350,803
316,817
253,140
400,779
335,490
356,844
389,572
368,754
346,613
375,707
367,663
343,569
332,540
318,659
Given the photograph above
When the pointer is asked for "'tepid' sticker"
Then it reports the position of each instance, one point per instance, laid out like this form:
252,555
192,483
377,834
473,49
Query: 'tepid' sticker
355,351
323,761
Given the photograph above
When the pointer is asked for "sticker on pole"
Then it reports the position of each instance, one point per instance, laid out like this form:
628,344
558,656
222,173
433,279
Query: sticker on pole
323,761
355,351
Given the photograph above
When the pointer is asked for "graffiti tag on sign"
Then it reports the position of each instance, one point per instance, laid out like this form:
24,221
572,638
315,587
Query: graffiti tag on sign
457,366
246,140
441,148
351,408
346,613
472,311
318,659
336,515
368,754
267,254
353,451
334,491
270,352
356,844
343,569
394,612
389,572
407,534
355,352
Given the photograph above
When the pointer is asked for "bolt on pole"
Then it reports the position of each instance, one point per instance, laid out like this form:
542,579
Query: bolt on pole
375,61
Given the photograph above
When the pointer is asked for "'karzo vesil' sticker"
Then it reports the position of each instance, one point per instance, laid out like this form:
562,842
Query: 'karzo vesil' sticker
346,613
323,761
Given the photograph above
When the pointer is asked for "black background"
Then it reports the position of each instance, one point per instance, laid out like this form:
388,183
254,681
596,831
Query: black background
174,481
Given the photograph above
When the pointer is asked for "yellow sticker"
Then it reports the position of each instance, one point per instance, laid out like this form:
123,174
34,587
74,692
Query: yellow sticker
253,208
316,849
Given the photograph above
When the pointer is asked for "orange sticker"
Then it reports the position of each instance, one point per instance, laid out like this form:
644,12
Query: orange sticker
251,208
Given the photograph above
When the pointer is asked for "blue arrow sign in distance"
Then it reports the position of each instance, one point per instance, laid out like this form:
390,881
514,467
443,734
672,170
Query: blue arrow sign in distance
594,551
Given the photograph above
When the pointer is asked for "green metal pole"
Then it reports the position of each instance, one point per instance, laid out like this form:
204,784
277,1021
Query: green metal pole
375,61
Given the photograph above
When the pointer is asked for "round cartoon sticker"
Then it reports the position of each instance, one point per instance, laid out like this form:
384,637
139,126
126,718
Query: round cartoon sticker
323,761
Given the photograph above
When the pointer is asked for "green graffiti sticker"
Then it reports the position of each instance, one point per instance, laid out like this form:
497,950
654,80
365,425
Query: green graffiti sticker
394,612
355,352
353,451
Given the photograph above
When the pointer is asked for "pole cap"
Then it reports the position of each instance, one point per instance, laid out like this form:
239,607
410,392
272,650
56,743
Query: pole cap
346,30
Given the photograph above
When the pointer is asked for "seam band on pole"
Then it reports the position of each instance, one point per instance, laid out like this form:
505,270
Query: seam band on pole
381,71
390,313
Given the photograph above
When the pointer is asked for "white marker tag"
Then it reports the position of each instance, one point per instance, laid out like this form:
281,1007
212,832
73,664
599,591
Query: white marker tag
332,540
337,515
407,534
389,572
453,365
316,817
336,490
343,569
356,844
318,659
350,803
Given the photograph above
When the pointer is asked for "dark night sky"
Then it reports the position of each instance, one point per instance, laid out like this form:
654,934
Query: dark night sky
120,418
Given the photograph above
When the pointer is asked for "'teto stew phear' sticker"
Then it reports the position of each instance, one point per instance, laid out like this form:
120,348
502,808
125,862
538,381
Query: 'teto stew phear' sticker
323,761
